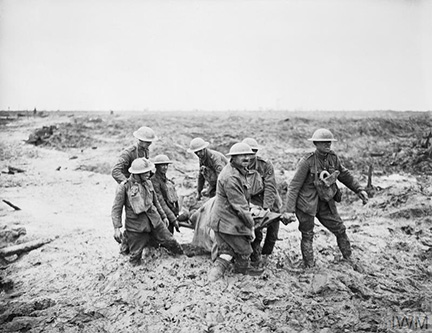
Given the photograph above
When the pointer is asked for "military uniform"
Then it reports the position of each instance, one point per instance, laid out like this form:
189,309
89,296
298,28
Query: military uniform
231,220
210,166
120,170
167,197
304,201
143,218
267,198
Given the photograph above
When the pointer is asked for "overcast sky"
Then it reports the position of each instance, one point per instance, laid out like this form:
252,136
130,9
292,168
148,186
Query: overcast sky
216,55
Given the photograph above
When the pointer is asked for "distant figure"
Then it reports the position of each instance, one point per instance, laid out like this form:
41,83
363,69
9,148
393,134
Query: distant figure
312,193
268,198
145,136
231,219
211,163
143,222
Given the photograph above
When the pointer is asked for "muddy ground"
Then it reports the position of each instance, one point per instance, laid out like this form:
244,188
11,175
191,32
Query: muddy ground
78,282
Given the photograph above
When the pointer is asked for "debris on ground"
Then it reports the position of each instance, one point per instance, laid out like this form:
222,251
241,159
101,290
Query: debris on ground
80,282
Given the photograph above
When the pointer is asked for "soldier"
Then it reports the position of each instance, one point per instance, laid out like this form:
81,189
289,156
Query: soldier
267,198
231,219
143,222
305,202
166,192
211,163
145,136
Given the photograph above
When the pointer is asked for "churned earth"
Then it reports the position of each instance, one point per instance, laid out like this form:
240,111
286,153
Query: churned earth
78,281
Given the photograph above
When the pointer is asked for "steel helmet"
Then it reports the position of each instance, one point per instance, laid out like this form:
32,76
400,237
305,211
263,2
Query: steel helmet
240,148
322,134
140,165
145,134
252,143
161,159
197,144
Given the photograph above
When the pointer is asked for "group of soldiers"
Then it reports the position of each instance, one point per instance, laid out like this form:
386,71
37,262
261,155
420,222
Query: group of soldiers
236,182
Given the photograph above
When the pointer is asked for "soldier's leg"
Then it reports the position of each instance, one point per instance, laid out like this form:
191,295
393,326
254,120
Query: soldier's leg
271,237
137,243
223,260
306,226
242,249
329,217
124,247
161,234
256,246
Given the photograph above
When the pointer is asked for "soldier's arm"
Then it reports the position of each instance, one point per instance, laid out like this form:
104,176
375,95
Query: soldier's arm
122,163
201,180
238,202
117,207
158,205
296,184
162,202
346,178
219,162
270,191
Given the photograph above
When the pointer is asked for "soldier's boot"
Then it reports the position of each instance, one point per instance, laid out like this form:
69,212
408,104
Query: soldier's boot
345,247
173,246
218,269
256,257
242,266
135,258
306,246
124,248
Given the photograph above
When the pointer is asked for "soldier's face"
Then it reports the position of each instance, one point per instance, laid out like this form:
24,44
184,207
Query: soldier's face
144,144
200,153
241,160
162,168
144,176
323,146
252,157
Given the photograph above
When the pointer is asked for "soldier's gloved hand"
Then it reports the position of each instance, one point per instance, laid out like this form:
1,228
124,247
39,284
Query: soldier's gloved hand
287,218
363,196
118,236
176,225
166,222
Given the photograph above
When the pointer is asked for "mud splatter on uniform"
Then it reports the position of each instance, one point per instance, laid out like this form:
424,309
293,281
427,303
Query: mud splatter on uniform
304,201
145,224
267,198
167,197
231,220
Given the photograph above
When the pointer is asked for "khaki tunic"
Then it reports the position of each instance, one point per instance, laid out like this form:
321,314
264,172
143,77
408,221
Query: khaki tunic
141,222
269,197
210,167
120,170
301,190
230,213
167,195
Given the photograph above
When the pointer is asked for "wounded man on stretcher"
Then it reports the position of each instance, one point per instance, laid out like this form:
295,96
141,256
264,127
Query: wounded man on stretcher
204,242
